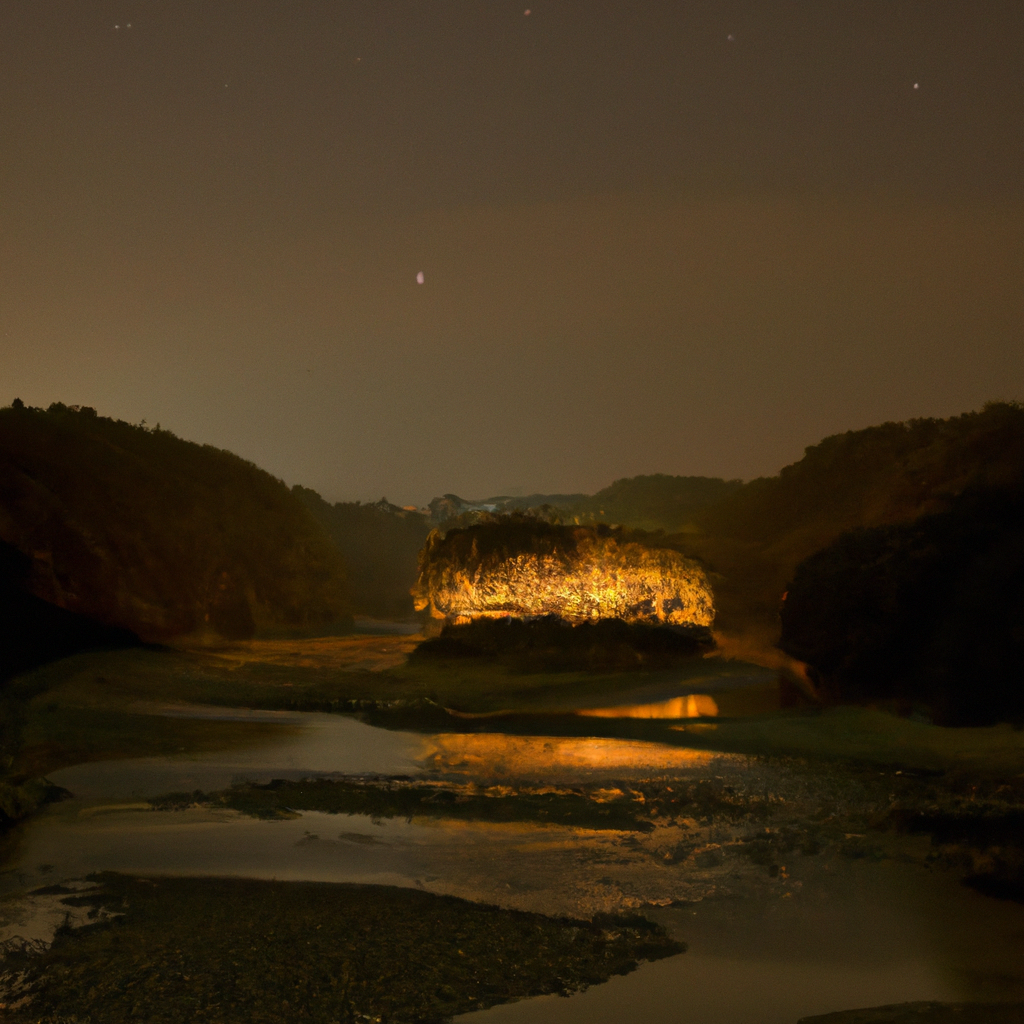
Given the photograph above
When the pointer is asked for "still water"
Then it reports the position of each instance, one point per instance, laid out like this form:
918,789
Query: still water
826,935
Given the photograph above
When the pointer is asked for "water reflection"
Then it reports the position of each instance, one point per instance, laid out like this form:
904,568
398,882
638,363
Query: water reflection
717,990
693,705
496,755
202,841
309,744
820,934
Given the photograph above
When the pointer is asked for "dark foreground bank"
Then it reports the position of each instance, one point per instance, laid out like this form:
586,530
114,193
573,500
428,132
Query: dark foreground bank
175,950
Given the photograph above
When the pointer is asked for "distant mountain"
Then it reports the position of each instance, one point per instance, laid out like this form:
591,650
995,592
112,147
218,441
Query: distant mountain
657,502
885,474
138,529
449,507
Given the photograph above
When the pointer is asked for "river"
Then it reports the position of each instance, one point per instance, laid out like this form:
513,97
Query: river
823,934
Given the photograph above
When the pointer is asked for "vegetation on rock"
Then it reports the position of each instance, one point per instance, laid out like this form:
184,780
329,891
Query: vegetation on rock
522,565
404,797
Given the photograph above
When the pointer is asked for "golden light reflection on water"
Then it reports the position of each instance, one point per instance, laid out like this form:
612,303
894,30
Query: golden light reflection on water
492,755
694,705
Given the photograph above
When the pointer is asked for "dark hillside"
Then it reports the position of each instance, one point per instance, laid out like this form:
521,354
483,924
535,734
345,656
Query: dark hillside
139,529
893,473
380,543
656,502
929,613
33,631
885,474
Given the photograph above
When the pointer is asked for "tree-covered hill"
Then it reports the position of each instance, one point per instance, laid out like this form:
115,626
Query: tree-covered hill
755,536
928,613
655,502
885,474
136,528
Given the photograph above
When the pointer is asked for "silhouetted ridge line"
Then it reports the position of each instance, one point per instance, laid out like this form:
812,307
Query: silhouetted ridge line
138,529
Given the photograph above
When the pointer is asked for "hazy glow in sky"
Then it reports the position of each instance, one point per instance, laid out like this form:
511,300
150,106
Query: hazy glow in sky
681,238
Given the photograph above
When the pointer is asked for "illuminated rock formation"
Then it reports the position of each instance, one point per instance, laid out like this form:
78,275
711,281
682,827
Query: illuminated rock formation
519,566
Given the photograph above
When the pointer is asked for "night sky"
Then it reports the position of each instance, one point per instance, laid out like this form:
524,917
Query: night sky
679,237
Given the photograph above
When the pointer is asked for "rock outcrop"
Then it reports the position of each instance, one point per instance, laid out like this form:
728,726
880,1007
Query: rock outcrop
522,566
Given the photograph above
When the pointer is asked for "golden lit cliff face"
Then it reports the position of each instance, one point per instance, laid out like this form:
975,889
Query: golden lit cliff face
597,577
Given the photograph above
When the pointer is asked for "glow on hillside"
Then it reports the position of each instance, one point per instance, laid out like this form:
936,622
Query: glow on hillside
603,579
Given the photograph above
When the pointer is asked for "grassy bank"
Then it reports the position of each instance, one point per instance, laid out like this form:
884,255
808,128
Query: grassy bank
96,706
64,714
340,673
92,707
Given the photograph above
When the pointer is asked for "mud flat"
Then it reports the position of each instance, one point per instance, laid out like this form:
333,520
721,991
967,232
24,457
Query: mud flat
174,949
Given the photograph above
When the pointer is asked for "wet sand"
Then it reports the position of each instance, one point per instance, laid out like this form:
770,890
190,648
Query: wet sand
857,935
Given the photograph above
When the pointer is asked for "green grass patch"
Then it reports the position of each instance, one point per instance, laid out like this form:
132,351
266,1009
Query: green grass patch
482,686
116,678
871,736
239,950
110,679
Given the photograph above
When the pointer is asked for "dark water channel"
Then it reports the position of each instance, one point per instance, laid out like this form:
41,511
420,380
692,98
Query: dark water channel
825,933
